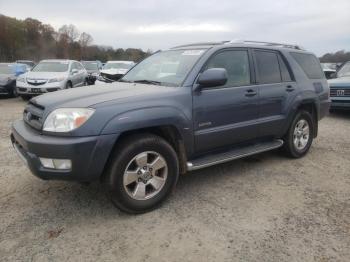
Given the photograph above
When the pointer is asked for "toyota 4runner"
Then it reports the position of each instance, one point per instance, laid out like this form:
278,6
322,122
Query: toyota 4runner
215,103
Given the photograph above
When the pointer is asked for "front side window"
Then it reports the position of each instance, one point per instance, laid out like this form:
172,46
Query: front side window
51,67
168,68
268,67
236,63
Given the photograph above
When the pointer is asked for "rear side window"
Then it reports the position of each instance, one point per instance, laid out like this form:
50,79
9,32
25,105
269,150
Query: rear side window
310,64
285,74
268,67
236,63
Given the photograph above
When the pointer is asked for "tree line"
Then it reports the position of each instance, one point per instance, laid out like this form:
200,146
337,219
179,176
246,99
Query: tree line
337,57
31,39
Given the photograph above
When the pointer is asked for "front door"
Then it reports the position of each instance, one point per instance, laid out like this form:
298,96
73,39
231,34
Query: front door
226,115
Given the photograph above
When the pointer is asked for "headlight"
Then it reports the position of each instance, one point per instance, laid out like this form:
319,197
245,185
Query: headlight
20,79
67,119
58,79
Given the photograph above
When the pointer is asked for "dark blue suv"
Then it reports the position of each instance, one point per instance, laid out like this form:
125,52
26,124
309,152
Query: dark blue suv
181,109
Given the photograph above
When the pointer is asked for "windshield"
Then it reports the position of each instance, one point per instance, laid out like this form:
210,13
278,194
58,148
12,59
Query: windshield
344,71
90,65
119,65
168,67
329,66
51,67
6,69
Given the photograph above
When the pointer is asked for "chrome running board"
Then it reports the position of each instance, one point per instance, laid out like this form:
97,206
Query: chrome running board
236,153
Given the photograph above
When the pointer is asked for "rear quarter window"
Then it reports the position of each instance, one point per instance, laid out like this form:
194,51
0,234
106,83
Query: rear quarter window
310,64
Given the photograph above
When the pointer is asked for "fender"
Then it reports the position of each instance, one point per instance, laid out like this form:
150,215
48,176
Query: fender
152,117
305,98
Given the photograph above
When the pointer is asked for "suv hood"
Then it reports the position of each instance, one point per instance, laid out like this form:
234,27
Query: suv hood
95,96
45,75
340,82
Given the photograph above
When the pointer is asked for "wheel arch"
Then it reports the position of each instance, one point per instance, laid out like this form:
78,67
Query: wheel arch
169,133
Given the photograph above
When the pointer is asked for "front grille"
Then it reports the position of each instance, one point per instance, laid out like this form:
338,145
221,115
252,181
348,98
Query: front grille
36,82
33,115
340,92
112,77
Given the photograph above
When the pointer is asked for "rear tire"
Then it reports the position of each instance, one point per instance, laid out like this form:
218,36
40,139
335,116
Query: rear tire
142,173
300,134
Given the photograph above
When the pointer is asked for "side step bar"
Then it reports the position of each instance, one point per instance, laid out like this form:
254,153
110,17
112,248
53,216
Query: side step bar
233,154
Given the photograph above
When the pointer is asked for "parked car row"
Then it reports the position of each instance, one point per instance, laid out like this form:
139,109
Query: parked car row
26,79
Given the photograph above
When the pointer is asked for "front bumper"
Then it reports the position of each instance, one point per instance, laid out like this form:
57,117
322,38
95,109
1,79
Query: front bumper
340,103
89,155
27,89
7,89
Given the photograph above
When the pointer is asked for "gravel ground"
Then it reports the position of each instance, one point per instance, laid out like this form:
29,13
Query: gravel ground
263,208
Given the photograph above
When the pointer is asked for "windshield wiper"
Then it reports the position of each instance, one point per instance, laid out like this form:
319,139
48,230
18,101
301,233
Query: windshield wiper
126,81
145,81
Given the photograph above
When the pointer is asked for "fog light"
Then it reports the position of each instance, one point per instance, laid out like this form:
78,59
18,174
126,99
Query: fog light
60,164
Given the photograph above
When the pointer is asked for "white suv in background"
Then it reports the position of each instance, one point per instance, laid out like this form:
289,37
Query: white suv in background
51,75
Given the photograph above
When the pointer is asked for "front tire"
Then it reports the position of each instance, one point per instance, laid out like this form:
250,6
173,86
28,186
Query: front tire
300,135
14,92
142,173
68,85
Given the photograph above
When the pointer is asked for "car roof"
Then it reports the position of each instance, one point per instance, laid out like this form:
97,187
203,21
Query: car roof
241,43
58,60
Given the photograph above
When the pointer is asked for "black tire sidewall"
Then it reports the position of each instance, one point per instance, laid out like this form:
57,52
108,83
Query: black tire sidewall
69,85
291,147
115,179
14,92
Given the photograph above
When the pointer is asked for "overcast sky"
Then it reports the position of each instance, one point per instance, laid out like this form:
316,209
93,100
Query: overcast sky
318,25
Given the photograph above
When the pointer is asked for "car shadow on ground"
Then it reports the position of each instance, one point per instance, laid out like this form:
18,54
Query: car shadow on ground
344,114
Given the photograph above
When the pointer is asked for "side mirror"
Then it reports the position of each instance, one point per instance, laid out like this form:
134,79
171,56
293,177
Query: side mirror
74,71
213,77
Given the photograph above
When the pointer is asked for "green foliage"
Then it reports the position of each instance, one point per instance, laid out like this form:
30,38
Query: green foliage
32,40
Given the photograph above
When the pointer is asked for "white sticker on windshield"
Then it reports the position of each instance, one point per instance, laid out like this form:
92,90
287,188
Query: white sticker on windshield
64,63
192,52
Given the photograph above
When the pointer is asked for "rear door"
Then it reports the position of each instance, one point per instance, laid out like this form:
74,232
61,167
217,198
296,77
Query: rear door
276,88
227,115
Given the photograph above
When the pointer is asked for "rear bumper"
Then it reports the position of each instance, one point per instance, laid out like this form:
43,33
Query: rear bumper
89,155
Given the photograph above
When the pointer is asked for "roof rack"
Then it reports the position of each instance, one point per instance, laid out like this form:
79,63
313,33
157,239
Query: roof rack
264,43
200,43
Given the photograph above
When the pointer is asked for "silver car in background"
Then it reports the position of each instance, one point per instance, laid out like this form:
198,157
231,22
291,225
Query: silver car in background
51,75
114,70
